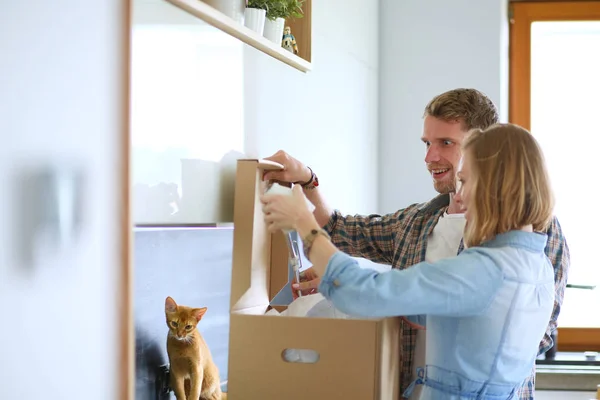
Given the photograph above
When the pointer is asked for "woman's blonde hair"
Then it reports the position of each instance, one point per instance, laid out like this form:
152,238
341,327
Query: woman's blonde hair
510,184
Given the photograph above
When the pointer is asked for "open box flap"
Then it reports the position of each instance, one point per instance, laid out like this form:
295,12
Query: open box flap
250,275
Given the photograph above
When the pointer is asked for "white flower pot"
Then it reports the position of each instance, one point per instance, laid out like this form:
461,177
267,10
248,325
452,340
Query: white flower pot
274,30
254,18
234,9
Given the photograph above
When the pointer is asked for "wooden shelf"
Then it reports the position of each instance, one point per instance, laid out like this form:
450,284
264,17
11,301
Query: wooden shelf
220,21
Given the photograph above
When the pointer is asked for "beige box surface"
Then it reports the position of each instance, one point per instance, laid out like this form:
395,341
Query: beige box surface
358,359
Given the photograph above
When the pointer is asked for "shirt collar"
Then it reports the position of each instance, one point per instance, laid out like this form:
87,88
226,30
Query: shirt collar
529,240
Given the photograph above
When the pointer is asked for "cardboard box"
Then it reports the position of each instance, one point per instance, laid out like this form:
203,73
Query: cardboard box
358,359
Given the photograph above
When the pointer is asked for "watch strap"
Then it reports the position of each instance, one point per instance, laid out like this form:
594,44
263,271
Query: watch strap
309,239
313,182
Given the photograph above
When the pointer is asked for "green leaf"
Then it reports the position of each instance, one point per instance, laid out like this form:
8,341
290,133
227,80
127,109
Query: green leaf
279,8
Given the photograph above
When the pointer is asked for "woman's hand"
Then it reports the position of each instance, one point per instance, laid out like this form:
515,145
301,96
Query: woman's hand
309,283
284,212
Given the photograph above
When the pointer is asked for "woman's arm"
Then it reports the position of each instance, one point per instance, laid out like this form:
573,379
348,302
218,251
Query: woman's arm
463,285
321,250
458,286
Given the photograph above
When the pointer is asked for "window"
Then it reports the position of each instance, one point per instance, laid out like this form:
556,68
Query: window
555,92
187,121
187,84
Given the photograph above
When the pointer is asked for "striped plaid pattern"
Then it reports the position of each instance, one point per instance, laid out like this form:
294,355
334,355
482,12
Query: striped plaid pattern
400,240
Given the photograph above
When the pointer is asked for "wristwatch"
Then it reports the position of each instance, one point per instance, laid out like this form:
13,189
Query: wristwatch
308,240
312,183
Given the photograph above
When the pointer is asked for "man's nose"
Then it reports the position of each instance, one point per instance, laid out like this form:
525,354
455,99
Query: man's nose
432,154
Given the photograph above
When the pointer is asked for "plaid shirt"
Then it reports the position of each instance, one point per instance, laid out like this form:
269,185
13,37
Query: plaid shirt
400,240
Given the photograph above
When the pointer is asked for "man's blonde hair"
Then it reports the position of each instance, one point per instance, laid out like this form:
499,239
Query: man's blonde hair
469,106
511,187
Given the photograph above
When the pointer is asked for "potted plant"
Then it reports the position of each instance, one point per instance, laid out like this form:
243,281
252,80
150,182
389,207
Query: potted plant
234,9
293,9
277,12
254,16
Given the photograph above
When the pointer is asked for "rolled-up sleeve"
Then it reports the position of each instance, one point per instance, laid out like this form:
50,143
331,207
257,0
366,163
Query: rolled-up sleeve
368,236
457,286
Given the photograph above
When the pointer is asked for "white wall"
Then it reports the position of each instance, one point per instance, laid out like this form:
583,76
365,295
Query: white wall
256,105
426,48
327,118
60,101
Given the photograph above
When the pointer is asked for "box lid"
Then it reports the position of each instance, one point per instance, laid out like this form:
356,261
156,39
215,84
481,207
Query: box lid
250,275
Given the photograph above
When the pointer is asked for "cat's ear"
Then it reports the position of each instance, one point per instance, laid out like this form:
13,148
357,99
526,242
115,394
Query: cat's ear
199,312
170,305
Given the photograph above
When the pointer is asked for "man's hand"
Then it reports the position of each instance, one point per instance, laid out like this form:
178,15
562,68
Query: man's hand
293,170
309,283
296,172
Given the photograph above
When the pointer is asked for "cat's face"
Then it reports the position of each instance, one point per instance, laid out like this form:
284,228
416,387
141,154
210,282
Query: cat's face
182,320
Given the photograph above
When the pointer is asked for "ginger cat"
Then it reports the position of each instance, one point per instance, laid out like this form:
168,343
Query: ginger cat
193,373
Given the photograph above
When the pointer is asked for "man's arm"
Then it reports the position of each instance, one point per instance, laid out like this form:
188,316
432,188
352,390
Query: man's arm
367,236
322,211
557,251
370,237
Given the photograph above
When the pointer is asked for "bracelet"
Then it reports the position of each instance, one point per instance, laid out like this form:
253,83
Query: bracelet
309,239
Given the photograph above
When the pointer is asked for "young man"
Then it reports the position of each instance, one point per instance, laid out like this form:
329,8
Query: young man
428,231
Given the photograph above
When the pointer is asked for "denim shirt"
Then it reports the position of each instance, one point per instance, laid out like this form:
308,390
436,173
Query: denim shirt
486,311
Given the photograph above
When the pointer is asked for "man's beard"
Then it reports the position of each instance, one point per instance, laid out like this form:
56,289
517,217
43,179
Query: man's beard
444,187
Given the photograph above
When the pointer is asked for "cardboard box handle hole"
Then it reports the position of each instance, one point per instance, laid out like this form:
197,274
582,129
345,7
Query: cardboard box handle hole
301,356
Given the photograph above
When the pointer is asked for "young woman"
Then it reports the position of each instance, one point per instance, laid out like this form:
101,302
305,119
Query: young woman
485,310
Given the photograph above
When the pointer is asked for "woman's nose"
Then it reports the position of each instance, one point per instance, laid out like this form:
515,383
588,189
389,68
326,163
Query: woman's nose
458,198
